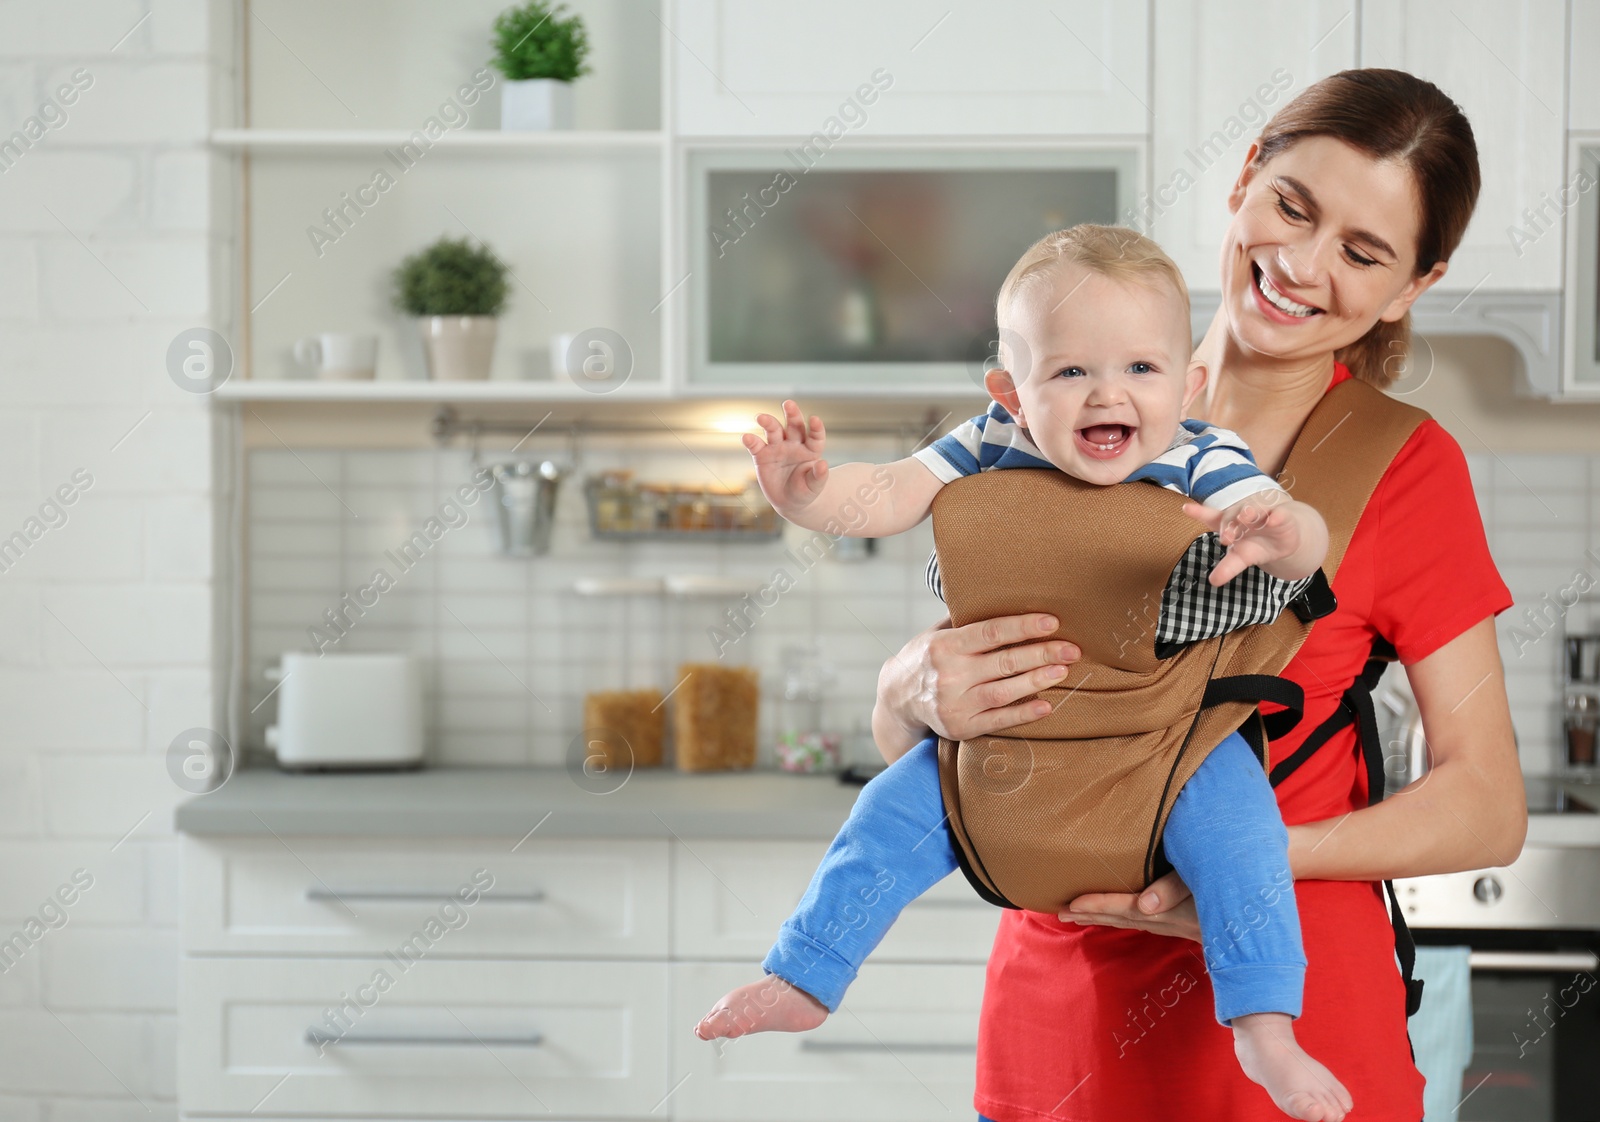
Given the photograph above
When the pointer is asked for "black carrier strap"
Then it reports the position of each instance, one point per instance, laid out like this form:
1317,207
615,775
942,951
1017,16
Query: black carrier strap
1356,708
1260,687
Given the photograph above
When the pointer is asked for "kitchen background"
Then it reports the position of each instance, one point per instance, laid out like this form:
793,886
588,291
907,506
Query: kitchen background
512,650
216,529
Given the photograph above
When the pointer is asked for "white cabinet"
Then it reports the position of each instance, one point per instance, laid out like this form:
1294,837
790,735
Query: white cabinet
730,898
432,1038
902,1048
1580,364
1583,81
900,67
1223,68
356,896
1505,64
354,978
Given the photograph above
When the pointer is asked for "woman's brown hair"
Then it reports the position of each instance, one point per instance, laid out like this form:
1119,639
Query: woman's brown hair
1391,115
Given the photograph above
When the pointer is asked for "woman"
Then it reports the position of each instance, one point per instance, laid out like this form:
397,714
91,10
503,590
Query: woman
1346,210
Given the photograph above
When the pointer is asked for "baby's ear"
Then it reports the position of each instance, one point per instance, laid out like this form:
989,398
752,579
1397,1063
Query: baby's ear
1194,380
1003,389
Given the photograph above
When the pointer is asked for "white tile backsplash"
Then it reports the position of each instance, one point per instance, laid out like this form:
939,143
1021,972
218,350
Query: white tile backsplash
511,650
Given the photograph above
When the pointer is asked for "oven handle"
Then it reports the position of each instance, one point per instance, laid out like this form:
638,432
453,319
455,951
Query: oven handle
1535,962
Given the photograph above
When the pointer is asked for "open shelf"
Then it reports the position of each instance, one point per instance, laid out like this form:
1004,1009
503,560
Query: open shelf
505,390
466,140
393,389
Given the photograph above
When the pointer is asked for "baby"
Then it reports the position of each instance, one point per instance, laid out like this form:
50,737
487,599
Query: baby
1097,379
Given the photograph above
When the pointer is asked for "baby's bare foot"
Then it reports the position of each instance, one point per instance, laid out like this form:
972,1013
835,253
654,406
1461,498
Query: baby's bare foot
770,1005
1300,1086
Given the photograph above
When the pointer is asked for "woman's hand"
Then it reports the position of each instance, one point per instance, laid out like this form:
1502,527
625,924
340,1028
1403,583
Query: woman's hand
962,682
1164,908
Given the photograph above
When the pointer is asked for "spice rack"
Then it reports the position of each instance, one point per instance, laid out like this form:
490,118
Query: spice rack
621,509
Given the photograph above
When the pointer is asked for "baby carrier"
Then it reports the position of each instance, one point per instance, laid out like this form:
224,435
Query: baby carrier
1076,801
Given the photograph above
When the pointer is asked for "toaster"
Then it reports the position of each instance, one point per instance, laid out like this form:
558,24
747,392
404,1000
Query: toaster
347,711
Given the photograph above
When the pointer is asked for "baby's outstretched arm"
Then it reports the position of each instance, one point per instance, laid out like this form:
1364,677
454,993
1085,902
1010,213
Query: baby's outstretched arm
1285,538
855,500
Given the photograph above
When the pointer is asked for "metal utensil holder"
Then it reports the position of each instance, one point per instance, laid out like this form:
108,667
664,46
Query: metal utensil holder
523,494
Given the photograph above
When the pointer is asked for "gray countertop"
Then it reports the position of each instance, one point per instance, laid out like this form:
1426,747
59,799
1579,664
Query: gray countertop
440,802
650,803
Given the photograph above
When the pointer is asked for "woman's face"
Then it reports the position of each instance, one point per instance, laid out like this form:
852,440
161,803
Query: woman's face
1322,245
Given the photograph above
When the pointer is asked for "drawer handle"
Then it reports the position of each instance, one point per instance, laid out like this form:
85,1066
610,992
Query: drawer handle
315,893
1534,962
882,1046
313,1036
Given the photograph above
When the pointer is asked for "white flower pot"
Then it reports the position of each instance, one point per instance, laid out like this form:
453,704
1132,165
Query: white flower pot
458,348
535,105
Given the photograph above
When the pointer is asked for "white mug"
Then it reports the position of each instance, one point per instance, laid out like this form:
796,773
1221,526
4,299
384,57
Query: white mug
559,346
339,354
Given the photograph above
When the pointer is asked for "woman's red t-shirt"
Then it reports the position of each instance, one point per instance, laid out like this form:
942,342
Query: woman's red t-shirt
1098,1024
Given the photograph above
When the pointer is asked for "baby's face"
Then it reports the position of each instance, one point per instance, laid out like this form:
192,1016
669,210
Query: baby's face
1108,374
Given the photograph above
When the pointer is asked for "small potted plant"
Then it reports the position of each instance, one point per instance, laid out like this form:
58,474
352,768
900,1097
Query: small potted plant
540,50
456,290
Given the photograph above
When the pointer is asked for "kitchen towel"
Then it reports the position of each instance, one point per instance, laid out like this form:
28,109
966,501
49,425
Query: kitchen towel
1441,1031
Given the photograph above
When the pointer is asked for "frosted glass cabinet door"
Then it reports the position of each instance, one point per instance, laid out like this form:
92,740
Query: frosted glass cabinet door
1224,67
855,269
1505,64
776,67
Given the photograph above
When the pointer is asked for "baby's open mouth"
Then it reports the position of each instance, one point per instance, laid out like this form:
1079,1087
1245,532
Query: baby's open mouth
1104,442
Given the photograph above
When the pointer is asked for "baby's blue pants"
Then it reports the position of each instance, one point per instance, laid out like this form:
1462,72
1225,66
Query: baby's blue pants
1224,837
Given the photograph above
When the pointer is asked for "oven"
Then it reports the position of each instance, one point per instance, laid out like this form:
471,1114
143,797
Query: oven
1534,932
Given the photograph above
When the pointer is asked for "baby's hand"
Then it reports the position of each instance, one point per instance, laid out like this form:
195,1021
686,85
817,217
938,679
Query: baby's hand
1257,531
789,463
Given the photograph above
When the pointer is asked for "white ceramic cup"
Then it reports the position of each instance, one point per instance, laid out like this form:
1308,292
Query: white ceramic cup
559,346
339,354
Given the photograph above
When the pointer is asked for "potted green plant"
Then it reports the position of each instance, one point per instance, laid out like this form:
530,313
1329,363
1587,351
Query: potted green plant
540,50
455,290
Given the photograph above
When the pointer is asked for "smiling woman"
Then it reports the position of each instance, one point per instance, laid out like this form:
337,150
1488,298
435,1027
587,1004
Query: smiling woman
1346,209
1331,240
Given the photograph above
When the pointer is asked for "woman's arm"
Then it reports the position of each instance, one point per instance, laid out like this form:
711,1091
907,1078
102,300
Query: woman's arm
1468,811
961,682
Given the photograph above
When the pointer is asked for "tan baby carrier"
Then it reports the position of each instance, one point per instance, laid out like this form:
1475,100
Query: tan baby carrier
1076,802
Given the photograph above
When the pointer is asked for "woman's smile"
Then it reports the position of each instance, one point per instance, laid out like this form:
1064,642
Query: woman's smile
1275,304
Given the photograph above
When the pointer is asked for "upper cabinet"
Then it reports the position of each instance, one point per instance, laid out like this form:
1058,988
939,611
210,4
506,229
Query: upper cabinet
904,67
1506,65
1224,67
1583,89
680,216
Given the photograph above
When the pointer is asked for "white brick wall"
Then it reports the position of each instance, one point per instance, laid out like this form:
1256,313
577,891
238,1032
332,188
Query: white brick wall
106,252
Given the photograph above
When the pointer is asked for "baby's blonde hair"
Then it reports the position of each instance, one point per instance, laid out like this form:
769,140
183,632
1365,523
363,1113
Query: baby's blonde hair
1112,251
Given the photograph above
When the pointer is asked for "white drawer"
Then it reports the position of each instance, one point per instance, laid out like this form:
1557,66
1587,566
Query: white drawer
902,1048
730,898
332,896
442,1039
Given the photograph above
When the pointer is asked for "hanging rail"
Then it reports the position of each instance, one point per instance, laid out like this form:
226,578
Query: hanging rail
447,425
